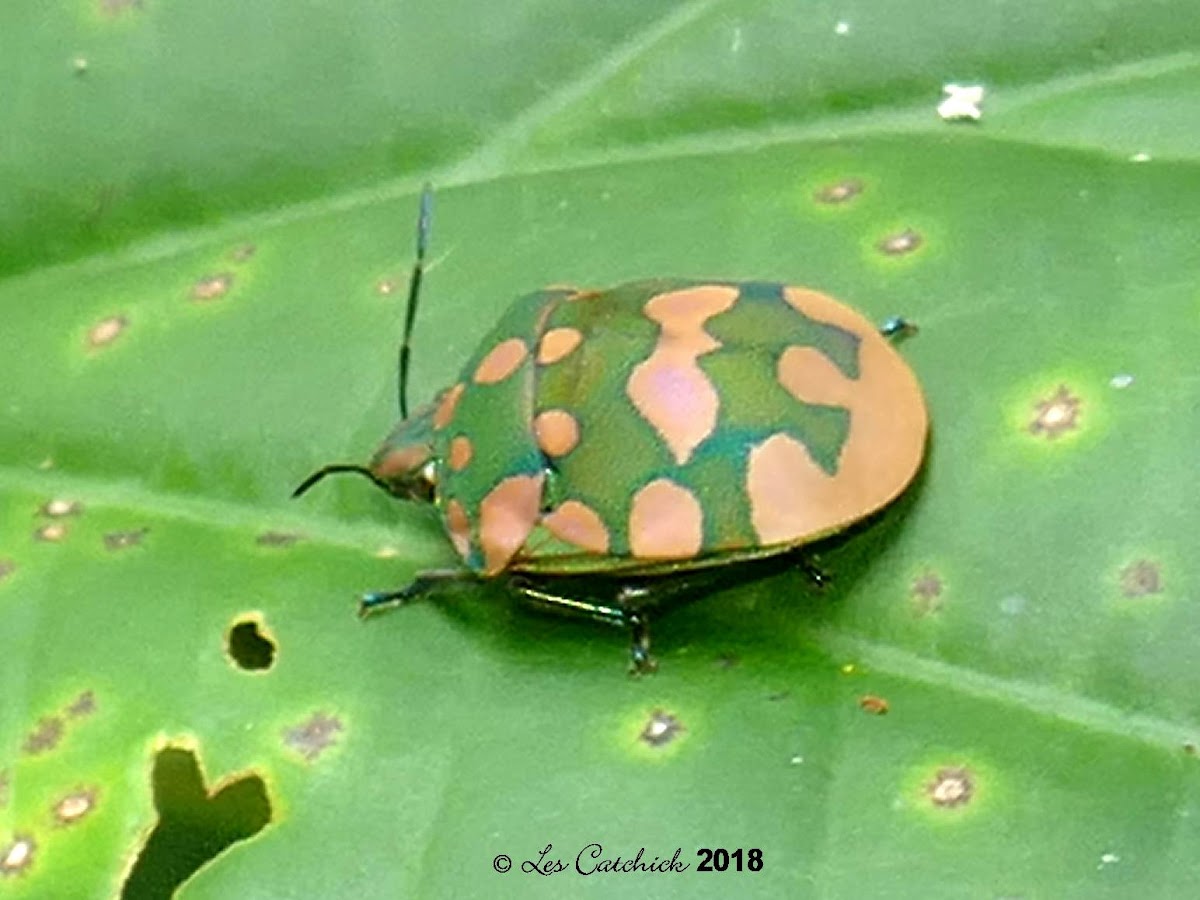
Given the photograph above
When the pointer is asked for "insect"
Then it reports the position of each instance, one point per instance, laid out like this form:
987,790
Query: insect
608,452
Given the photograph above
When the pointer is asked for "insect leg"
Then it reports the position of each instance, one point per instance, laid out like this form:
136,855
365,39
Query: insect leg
422,584
897,326
623,610
818,576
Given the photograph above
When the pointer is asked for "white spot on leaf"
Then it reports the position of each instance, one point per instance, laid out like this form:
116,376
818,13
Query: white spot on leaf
961,102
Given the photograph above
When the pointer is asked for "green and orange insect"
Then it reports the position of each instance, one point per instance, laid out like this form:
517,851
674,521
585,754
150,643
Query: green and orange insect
606,451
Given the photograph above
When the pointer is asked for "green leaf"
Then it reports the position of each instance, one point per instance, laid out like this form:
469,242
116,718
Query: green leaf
204,245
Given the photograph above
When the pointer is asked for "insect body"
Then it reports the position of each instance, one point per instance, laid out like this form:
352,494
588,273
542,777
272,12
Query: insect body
604,450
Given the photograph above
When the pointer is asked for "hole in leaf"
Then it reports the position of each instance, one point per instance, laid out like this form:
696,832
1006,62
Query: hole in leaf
249,647
193,826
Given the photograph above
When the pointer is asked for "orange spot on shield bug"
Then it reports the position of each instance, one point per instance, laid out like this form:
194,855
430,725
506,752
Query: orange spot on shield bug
789,493
506,516
578,524
669,389
458,526
791,497
460,453
665,522
811,377
501,361
557,432
558,343
401,460
447,404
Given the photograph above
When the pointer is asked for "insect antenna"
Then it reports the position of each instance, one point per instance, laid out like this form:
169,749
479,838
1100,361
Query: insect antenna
414,289
337,469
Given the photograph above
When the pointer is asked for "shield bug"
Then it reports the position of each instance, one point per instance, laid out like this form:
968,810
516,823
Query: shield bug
608,451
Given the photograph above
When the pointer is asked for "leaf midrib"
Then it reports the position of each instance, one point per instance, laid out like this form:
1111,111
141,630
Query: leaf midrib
1042,700
487,162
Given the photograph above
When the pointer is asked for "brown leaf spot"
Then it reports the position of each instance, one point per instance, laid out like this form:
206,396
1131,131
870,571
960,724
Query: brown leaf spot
926,593
839,192
557,344
506,516
212,287
51,533
1055,414
928,586
458,526
951,787
901,243
243,252
277,538
121,540
314,736
669,389
578,524
666,521
83,705
661,729
58,507
18,855
106,331
75,806
557,432
447,404
876,706
501,361
7,567
5,783
1141,578
44,737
